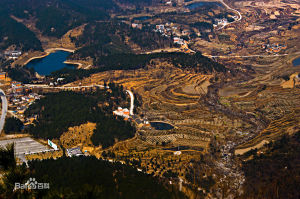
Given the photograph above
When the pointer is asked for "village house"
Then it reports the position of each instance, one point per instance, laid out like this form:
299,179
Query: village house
13,54
160,28
3,76
136,25
122,112
74,152
17,87
178,40
221,21
186,32
139,123
169,3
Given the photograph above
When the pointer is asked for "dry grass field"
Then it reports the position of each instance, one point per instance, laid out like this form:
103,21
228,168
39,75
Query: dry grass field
78,136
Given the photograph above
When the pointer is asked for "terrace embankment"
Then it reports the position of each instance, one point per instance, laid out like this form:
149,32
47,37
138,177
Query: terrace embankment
191,103
172,95
271,98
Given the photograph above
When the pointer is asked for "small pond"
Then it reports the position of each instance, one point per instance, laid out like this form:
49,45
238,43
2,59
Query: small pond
50,63
161,126
142,18
196,5
296,62
180,148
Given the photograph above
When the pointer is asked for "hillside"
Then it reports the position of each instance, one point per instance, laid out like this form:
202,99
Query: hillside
94,179
58,111
56,17
125,61
114,37
13,33
275,172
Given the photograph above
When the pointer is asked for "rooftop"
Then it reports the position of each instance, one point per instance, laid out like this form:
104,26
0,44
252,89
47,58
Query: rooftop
74,152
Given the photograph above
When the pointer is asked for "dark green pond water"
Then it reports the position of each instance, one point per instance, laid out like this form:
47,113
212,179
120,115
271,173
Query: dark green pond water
161,126
196,5
142,18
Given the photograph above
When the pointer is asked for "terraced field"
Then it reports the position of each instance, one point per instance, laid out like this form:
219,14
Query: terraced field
267,97
220,114
172,95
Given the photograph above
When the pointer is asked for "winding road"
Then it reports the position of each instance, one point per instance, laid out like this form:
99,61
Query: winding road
240,16
4,109
60,87
131,101
245,56
229,8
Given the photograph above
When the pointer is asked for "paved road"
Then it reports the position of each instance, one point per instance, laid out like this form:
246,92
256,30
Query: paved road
246,56
131,101
4,109
229,8
240,16
60,87
24,146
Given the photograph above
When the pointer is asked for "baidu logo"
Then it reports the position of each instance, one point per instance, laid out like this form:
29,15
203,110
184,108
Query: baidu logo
31,184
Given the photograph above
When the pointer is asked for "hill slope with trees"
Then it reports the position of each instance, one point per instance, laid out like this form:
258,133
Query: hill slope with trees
55,17
107,38
17,34
58,111
192,62
274,173
81,177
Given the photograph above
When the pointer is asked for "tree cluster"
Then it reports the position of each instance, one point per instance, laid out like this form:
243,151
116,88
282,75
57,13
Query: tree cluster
7,158
12,125
15,33
275,173
113,37
202,26
193,62
58,111
85,177
55,17
20,74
